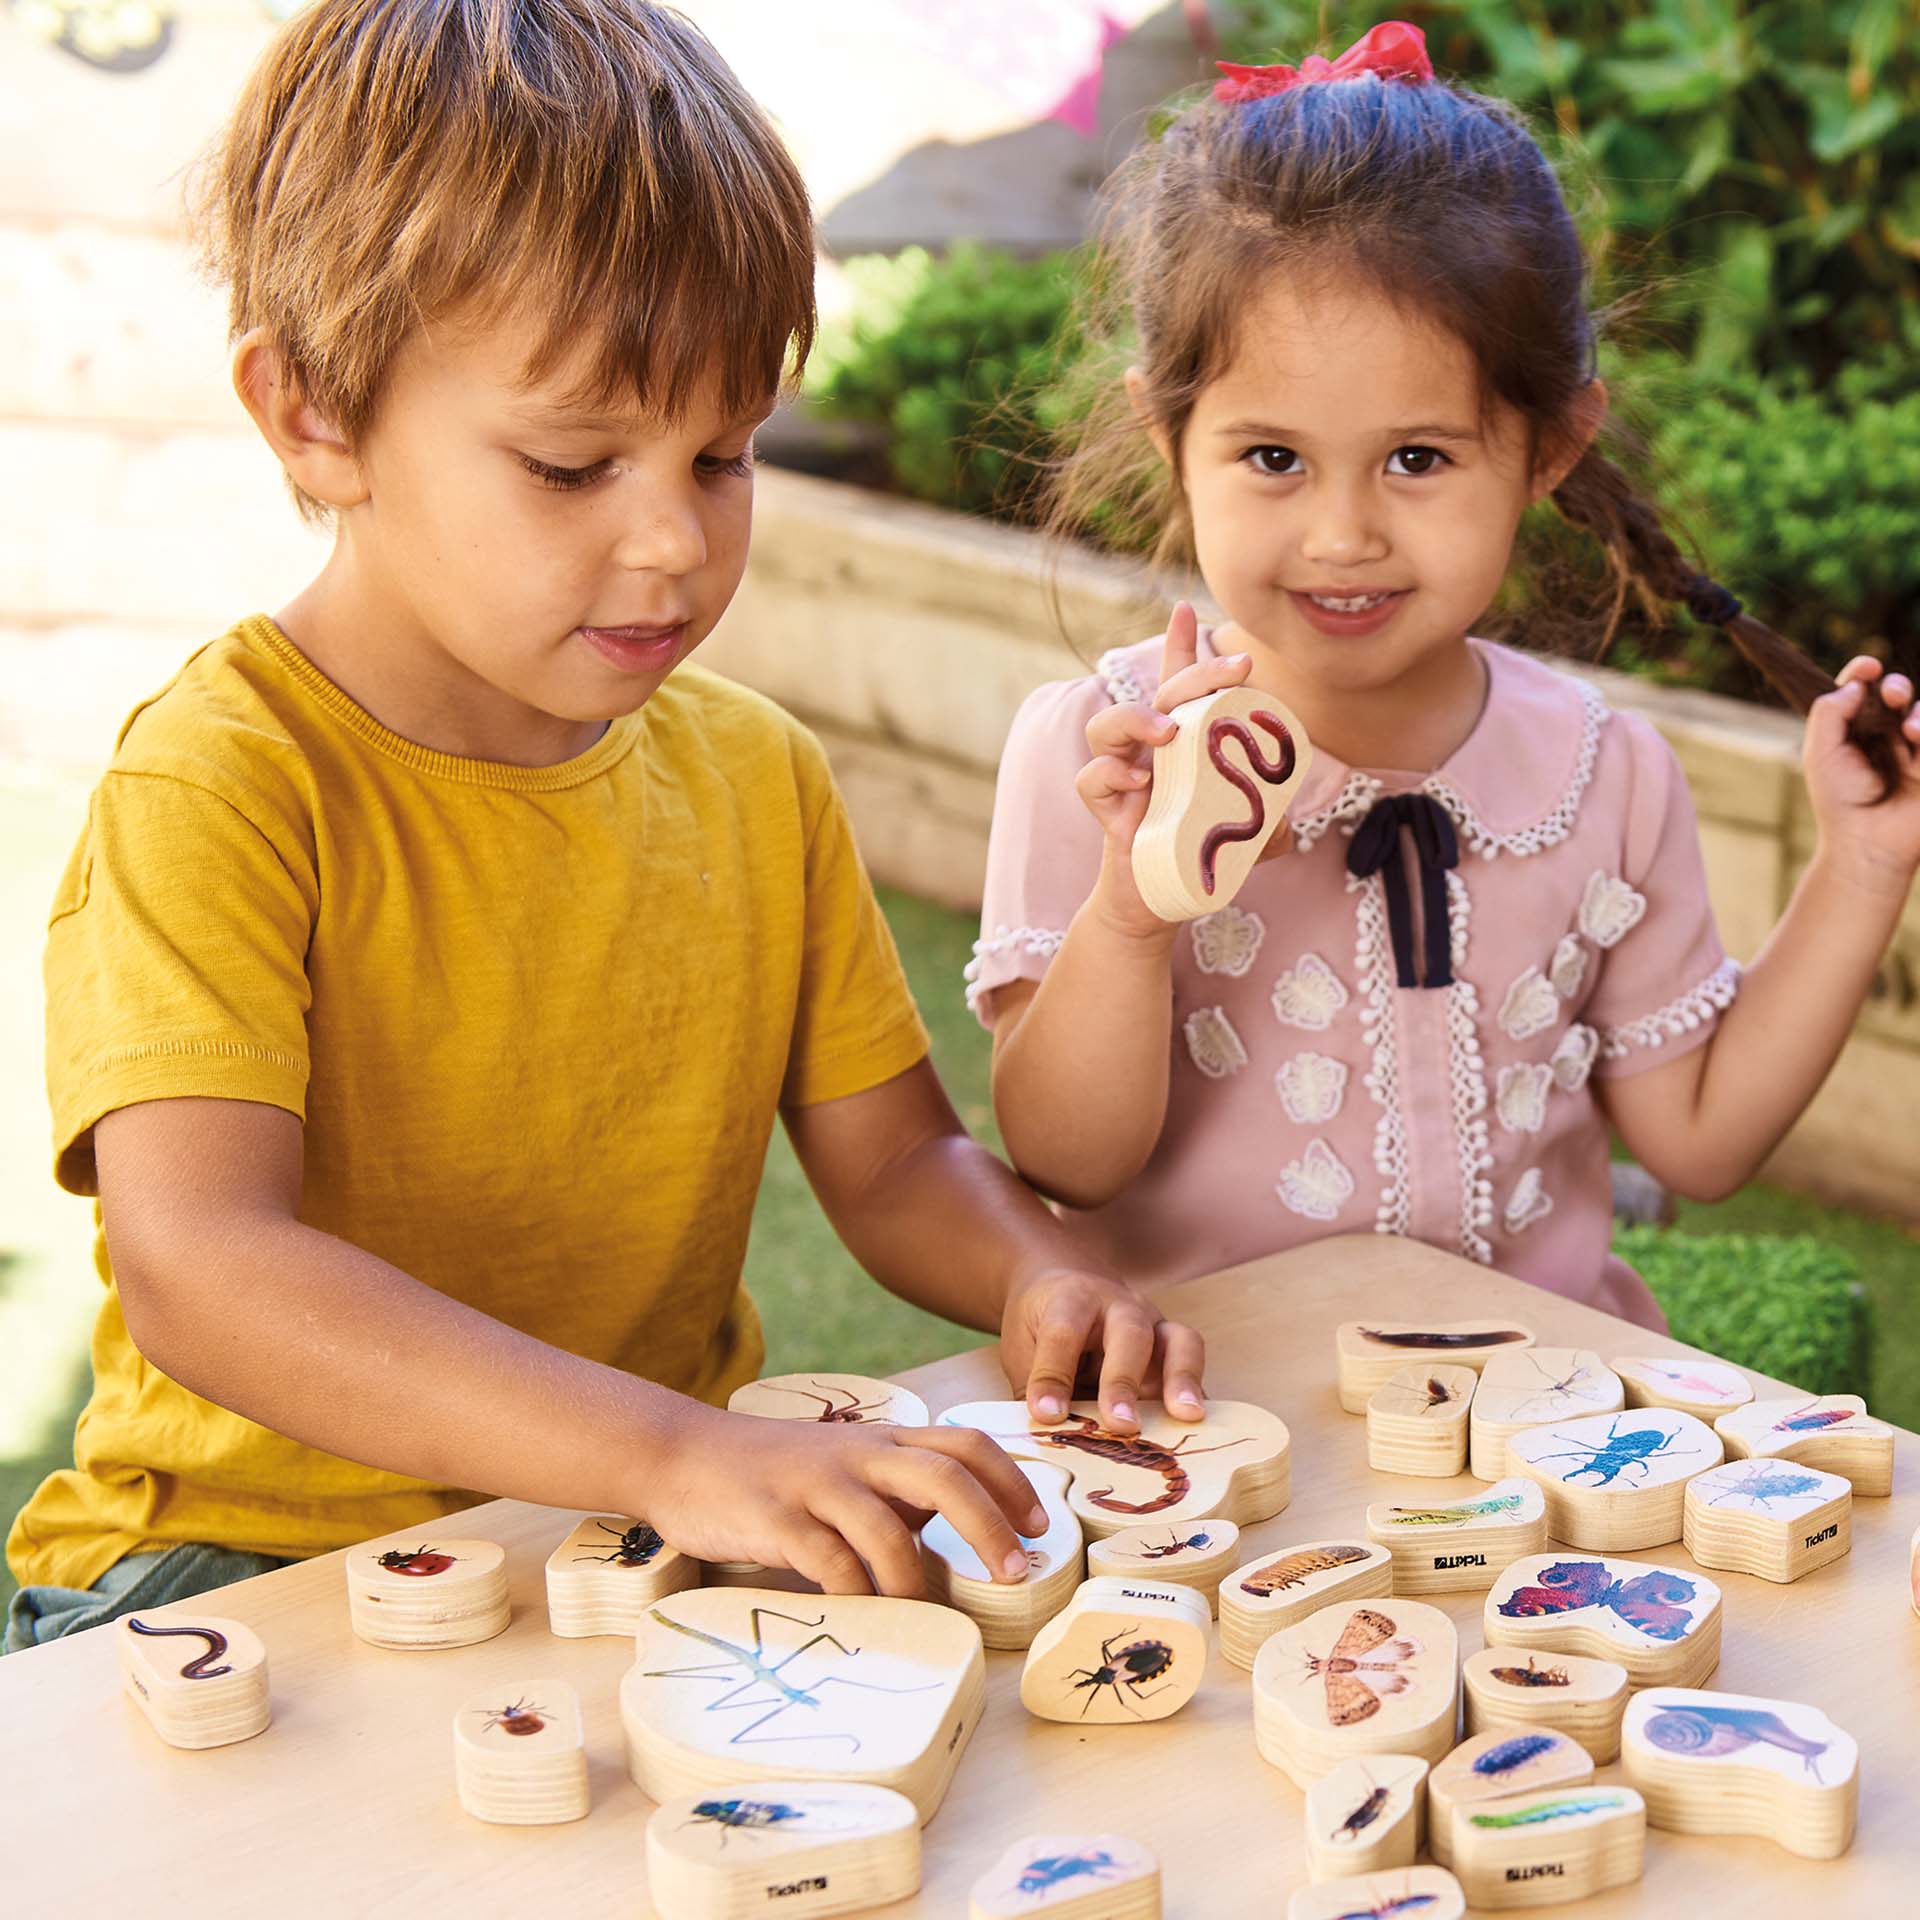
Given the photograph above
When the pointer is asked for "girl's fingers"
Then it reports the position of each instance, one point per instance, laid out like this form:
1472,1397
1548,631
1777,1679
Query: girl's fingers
1897,690
1119,729
1196,682
1109,778
1183,1359
1863,666
1183,641
1058,1342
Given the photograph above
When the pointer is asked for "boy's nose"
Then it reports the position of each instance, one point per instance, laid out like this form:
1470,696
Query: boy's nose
667,536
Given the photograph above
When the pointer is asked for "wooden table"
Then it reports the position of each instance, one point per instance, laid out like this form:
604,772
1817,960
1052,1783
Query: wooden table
346,1804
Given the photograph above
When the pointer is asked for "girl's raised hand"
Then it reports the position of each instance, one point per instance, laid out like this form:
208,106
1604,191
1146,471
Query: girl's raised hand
1879,841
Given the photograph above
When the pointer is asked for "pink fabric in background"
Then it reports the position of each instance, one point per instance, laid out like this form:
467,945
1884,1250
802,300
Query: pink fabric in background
1043,57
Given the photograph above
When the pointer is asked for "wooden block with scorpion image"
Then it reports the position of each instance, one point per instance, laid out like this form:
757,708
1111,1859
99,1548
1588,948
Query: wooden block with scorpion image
1121,1651
1616,1481
1832,1431
1281,1588
1367,1815
1458,1546
1070,1876
1367,1354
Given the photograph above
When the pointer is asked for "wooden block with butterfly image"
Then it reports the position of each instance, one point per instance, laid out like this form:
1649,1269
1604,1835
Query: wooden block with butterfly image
605,1574
1461,1545
1492,1766
520,1756
1417,1422
1775,1519
799,1847
1529,1388
1413,1893
1198,1555
417,1592
1616,1481
1221,788
1660,1623
1558,1844
1010,1614
1368,1353
1366,1816
200,1679
1278,1589
1704,1388
1732,1763
1580,1696
1832,1431
1381,1677
1122,1651
1070,1876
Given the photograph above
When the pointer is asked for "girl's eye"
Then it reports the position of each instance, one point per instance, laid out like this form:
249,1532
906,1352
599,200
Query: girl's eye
1422,460
1274,460
564,479
720,466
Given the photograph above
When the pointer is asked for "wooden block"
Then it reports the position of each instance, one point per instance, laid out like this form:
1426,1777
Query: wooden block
1529,1388
1279,1589
1121,1651
414,1592
1659,1623
794,1847
1430,1892
1198,1555
1733,1763
1495,1766
605,1574
733,1687
1070,1876
1368,1353
1833,1432
200,1679
1008,1616
1583,1698
520,1756
1382,1677
1463,1544
1704,1388
1230,1466
831,1399
1367,1816
1417,1422
1539,1849
1221,787
1774,1519
1616,1481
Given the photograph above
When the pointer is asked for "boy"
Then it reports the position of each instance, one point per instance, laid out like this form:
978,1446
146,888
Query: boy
438,952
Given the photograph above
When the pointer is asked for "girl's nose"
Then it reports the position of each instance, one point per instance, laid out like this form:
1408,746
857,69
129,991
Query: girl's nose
666,535
1342,528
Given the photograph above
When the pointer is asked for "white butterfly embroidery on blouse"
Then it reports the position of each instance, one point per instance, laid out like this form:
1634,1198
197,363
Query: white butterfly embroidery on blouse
1316,1184
1569,966
1308,995
1609,908
1529,1201
1214,1045
1521,1097
1227,941
1311,1087
1531,1006
1573,1058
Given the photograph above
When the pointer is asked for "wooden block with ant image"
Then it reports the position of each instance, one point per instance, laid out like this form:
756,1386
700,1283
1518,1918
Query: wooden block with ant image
520,1756
415,1592
1368,1353
1281,1588
1832,1431
1368,1815
1460,1545
1525,1389
1660,1623
605,1574
1010,1614
735,1686
1580,1696
1095,1876
1122,1651
200,1679
800,1847
1775,1519
1493,1766
1732,1763
1704,1388
1198,1555
1539,1849
1221,788
1417,1422
1616,1481
1230,1466
1414,1893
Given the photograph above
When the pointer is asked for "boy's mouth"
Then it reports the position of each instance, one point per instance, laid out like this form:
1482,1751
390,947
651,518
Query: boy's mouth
636,649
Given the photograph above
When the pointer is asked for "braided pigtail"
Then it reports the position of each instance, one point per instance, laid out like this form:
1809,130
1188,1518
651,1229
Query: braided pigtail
1598,496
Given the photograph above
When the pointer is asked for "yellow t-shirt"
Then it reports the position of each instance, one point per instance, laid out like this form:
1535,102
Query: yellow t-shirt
537,1021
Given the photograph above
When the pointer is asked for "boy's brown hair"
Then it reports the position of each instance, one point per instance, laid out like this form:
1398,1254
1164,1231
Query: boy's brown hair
393,162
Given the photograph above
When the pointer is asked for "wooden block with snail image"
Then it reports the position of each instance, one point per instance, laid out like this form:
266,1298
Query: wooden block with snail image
733,1687
1380,1677
1459,1545
200,1679
1704,1388
1197,1555
1221,788
1661,1623
1539,1849
1832,1431
418,1592
1070,1876
1367,1815
1414,1893
1731,1763
605,1574
1281,1588
1230,1466
1417,1422
1616,1481
1122,1652
520,1756
1010,1614
1580,1696
1528,1389
795,1847
1368,1353
1775,1519
1492,1766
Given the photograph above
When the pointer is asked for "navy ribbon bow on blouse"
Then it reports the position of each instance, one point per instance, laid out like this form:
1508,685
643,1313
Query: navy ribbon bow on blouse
1377,845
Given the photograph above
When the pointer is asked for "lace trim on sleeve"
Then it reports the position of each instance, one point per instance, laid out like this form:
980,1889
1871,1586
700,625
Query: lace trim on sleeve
1691,1011
1039,943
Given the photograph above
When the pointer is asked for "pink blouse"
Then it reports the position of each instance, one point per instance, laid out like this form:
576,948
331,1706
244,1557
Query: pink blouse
1312,1092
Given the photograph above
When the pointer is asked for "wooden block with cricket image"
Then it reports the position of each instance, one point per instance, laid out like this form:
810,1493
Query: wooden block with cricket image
1417,1422
1368,1815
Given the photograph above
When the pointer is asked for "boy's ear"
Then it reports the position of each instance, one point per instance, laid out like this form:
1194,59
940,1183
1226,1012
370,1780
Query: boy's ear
1562,448
307,445
1137,399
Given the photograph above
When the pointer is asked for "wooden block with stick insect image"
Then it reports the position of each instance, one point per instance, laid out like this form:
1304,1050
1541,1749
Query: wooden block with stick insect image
1123,1652
1221,788
1704,1388
1417,1422
1528,1389
1616,1481
803,1847
1775,1519
1413,1893
605,1574
1381,1677
1571,1692
200,1679
418,1593
733,1686
1494,1765
1197,1555
520,1756
1284,1587
1230,1466
1731,1763
1458,1546
1367,1815
1661,1623
1539,1849
1067,1876
1009,1615
1368,1353
1832,1431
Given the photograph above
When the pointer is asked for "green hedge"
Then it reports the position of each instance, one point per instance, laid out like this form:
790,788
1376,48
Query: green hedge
1792,1308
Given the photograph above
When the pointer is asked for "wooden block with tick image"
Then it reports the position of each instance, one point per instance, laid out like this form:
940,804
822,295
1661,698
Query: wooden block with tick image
1491,1766
200,1679
1260,1598
1616,1481
1417,1422
605,1574
1123,1652
520,1756
1459,1545
1070,1876
417,1592
1369,1814
1660,1623
1413,1893
1831,1431
1528,1389
794,1847
1221,788
1578,1695
1368,1353
1010,1614
1540,1849
1704,1388
1775,1519
1197,1555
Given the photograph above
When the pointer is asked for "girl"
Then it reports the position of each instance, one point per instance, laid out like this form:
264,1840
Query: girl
1357,308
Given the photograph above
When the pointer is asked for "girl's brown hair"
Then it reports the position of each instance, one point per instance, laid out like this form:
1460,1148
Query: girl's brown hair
398,161
1442,201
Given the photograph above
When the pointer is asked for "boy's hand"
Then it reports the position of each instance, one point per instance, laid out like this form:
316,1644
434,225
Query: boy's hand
841,1505
1055,1317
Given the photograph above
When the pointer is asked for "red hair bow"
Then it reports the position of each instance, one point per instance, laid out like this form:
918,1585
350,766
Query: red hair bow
1394,50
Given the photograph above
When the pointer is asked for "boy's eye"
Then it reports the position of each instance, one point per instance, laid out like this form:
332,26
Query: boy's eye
728,466
564,479
1421,460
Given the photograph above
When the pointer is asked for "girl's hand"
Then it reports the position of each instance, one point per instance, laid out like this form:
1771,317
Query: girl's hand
1877,841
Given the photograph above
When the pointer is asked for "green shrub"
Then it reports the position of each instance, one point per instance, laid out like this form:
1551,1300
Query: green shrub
1792,1308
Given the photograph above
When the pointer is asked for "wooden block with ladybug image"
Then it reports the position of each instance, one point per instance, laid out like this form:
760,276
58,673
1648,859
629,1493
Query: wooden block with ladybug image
1123,1652
1198,1555
520,1756
1368,1353
1491,1766
1010,1614
793,1847
1417,1422
200,1679
1221,788
1260,1598
415,1592
1574,1693
1616,1481
1367,1815
605,1574
1662,1624
1704,1388
1540,1849
1413,1893
1832,1431
1094,1876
